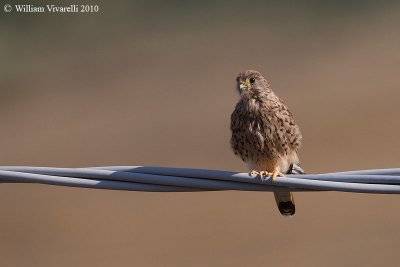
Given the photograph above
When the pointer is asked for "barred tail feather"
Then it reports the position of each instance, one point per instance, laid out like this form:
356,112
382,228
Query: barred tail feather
285,200
285,203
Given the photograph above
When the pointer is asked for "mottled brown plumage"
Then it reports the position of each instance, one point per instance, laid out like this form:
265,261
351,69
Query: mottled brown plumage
264,133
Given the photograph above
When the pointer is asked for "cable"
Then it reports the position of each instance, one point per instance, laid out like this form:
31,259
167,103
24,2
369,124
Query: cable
163,179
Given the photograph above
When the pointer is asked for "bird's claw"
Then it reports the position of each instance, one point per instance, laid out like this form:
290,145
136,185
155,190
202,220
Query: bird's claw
275,174
254,172
264,174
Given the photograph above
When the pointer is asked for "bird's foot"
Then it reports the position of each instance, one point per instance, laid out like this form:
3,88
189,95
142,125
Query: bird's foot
275,174
254,172
263,174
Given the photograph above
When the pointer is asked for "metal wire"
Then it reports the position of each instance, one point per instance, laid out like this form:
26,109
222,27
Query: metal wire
162,179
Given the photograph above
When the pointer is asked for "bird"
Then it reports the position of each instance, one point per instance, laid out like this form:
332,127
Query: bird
265,135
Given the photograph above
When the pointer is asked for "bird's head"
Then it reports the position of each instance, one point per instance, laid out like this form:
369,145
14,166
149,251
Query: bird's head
251,83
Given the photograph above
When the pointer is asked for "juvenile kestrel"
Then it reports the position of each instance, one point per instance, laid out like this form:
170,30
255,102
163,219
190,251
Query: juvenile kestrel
264,134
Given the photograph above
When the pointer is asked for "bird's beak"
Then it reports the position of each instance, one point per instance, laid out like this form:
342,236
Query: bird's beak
244,86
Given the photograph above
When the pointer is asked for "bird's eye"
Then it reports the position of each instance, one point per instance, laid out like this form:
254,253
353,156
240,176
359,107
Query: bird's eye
237,78
252,80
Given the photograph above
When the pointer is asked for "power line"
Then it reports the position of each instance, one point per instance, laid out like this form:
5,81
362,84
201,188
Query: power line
163,179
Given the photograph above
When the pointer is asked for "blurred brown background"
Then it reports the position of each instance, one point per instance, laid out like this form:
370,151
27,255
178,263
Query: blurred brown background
152,83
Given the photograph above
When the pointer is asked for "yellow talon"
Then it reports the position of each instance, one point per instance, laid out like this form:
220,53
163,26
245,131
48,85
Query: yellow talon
262,174
265,174
275,174
254,172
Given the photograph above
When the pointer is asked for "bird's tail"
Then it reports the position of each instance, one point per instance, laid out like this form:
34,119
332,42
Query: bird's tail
285,200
